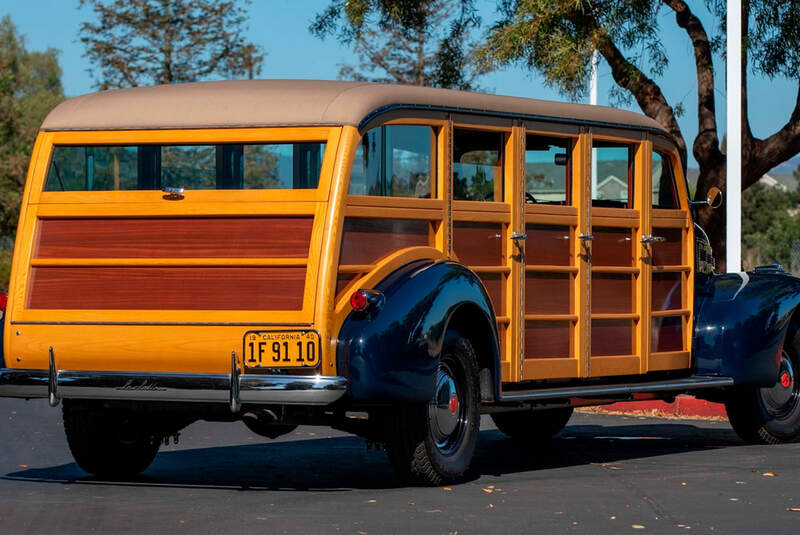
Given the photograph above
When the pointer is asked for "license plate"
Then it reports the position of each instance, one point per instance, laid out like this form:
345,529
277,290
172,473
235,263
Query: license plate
281,349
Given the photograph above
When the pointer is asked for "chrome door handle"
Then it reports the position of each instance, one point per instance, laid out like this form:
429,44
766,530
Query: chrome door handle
172,194
585,237
517,237
649,238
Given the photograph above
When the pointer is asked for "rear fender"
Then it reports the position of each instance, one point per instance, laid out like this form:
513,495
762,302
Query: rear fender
392,353
741,320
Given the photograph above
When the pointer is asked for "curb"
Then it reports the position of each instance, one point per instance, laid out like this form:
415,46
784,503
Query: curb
682,407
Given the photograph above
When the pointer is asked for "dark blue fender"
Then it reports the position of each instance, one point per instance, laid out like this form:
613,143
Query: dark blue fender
741,320
392,353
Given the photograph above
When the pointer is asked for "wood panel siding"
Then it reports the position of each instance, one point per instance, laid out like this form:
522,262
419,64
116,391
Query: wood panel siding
612,247
342,281
548,245
612,337
668,253
247,237
547,339
667,334
493,282
367,240
548,293
478,244
172,288
666,291
612,293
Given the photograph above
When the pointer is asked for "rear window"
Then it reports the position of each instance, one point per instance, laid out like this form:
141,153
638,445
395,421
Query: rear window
192,167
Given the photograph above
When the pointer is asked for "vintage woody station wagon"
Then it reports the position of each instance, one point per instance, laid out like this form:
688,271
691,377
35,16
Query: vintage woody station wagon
392,261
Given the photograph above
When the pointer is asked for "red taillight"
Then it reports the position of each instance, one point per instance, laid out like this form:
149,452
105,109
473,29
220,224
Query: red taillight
359,300
3,300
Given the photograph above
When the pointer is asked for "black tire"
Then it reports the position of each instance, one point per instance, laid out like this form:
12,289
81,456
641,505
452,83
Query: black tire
532,426
769,415
433,444
108,443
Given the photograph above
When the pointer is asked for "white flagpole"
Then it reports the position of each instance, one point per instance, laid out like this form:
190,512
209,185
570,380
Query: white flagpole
733,211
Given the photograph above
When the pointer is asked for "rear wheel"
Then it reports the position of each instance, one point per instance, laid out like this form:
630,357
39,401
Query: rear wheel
532,426
108,443
769,415
434,443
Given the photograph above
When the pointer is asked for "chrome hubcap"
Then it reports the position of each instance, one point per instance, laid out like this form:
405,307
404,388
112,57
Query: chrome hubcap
781,398
446,413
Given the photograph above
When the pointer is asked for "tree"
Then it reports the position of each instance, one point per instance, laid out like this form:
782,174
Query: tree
30,86
770,229
143,42
431,48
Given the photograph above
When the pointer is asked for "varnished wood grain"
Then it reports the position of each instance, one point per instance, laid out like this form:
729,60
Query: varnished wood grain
547,339
667,253
612,293
667,334
245,237
478,244
137,288
366,240
666,291
342,281
547,293
612,337
547,245
612,247
493,282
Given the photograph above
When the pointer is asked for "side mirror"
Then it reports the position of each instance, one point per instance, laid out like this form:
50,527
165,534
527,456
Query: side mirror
713,198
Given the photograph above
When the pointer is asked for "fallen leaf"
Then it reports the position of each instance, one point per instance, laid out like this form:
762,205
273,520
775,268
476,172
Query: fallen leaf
683,483
487,491
447,489
793,509
370,501
637,526
434,511
741,483
559,513
612,518
769,474
734,499
491,506
491,486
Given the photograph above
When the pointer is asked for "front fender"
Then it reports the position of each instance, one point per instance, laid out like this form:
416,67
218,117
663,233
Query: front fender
741,320
392,354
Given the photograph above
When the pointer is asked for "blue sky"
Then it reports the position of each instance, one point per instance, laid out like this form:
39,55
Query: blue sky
281,28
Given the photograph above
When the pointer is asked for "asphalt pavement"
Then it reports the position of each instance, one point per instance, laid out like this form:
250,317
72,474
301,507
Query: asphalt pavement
603,474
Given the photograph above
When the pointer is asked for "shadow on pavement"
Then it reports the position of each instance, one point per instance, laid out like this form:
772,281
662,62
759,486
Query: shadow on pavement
342,463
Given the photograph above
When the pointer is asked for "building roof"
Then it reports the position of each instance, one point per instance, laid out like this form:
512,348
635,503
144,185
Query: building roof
254,103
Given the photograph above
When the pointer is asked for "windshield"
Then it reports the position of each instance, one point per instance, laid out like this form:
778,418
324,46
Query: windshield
192,167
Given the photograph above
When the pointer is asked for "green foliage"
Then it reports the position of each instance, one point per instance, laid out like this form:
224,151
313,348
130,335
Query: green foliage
557,38
770,226
418,42
143,42
30,86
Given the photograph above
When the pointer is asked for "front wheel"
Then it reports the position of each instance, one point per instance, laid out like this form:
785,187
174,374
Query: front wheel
769,415
532,426
434,443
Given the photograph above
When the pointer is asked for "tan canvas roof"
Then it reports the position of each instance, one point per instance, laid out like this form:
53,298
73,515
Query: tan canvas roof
249,103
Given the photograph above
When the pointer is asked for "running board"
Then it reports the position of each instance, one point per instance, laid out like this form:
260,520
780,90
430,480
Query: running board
677,386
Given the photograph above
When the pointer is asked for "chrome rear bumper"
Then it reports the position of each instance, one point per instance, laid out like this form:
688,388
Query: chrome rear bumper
209,388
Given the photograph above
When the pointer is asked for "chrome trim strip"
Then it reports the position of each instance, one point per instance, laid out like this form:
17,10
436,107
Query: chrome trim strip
689,383
193,387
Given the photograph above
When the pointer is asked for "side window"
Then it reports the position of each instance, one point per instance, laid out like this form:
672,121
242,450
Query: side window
477,165
395,161
664,191
612,174
193,167
547,170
